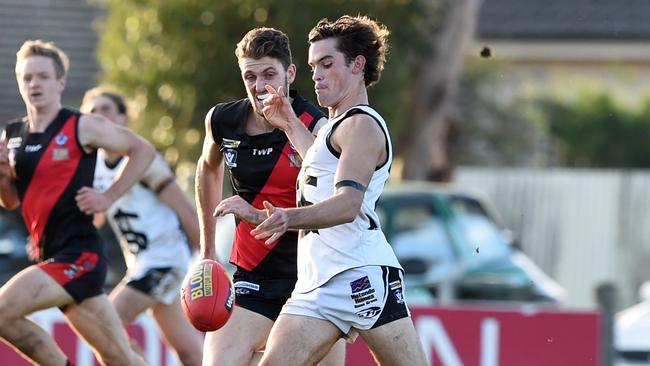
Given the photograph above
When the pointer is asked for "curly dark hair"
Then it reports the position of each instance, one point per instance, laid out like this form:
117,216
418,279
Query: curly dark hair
356,36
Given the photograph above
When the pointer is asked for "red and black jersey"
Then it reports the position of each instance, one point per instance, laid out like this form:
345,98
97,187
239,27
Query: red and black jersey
50,168
262,168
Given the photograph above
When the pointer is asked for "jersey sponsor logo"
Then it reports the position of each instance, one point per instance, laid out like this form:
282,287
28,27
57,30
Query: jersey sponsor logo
247,285
369,313
60,154
231,157
32,148
360,284
230,144
262,152
61,139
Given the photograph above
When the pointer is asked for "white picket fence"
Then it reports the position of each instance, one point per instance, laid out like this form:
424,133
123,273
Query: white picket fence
583,227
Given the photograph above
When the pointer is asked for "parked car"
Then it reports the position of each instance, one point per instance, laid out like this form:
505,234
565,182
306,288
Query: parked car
632,332
453,246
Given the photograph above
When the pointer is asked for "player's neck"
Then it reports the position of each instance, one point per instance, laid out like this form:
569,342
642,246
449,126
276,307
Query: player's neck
41,117
355,98
258,125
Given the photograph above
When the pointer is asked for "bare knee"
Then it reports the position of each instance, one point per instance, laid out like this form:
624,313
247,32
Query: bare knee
190,356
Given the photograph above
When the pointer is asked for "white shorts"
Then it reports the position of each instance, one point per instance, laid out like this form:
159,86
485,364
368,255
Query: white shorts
360,298
163,284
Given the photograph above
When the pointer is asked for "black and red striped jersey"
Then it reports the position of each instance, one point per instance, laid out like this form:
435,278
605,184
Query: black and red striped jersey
262,168
50,168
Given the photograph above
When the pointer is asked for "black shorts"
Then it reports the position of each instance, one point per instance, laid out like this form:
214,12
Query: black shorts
82,274
262,294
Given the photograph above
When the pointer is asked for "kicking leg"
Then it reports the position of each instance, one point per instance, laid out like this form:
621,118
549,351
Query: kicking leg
29,291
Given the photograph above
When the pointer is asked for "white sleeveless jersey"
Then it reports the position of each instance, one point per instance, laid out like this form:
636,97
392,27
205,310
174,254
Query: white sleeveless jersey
324,253
149,231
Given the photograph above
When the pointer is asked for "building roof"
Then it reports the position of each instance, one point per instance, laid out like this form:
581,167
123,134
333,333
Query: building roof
613,20
68,23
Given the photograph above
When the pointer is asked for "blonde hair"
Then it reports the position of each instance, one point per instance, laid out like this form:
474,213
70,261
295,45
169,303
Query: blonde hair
45,49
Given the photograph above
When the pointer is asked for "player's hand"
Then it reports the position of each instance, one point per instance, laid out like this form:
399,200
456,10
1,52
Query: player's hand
5,165
274,226
277,108
90,201
239,207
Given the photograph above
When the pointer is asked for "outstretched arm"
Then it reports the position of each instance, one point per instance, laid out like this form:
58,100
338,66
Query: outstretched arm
162,181
208,190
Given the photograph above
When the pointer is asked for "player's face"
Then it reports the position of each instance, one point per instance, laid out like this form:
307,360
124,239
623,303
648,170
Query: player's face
105,106
333,78
37,82
256,74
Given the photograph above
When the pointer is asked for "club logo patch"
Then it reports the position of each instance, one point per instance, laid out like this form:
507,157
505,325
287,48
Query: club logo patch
61,139
231,157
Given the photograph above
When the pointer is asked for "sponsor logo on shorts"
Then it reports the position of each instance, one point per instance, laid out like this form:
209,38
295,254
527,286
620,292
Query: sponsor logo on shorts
242,291
71,272
362,292
360,284
201,282
247,285
369,313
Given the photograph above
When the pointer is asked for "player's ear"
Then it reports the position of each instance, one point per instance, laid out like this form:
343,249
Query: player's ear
358,64
291,75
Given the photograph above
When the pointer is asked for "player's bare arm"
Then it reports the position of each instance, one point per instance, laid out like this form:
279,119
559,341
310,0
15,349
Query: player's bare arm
209,189
362,145
278,111
8,194
162,181
96,132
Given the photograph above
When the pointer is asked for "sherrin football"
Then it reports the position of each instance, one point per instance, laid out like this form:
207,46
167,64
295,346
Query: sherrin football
207,296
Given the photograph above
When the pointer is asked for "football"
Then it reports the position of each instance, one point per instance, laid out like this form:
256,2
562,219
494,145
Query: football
207,296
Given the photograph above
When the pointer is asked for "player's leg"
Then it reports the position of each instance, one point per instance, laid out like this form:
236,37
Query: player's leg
336,355
392,338
235,343
395,343
129,303
178,332
29,291
299,340
97,322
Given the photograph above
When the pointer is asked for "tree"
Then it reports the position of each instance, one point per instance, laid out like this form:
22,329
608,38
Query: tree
176,60
431,123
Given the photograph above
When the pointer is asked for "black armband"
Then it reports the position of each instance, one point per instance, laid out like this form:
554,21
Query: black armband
350,183
164,184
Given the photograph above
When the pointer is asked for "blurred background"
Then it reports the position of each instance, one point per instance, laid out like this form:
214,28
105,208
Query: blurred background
526,124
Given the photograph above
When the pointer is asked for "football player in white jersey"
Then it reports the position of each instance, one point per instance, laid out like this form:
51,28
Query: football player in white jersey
349,280
157,227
